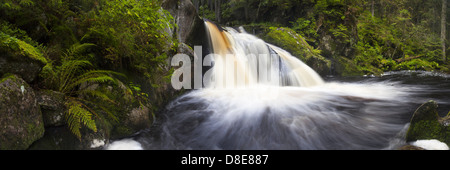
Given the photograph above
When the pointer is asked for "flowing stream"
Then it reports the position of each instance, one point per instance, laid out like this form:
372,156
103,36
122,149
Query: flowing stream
272,100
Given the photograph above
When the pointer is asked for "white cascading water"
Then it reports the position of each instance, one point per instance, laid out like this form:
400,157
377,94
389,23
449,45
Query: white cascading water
255,62
290,108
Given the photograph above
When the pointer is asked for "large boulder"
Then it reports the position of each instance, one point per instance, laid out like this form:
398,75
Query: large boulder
426,124
135,120
20,58
52,107
139,118
20,116
190,26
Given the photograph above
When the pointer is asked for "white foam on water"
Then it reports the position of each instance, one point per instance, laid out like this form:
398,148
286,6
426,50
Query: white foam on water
431,144
124,144
244,60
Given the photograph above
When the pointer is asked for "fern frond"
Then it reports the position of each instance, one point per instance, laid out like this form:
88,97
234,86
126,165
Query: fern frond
69,70
97,94
77,49
107,111
78,115
93,79
110,114
104,72
93,76
73,118
77,63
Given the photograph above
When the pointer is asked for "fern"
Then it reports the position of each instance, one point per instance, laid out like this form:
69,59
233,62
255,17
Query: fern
95,93
73,77
78,114
109,113
76,81
77,50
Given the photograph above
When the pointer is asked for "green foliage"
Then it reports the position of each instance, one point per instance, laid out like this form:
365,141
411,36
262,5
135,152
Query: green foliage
205,12
131,33
306,27
418,64
16,4
13,31
376,37
382,41
135,90
87,46
77,78
341,31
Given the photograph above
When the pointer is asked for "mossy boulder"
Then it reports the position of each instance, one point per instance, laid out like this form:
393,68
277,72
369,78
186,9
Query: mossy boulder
426,124
20,58
20,116
345,67
289,40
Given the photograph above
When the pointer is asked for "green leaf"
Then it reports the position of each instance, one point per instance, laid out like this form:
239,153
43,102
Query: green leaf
76,116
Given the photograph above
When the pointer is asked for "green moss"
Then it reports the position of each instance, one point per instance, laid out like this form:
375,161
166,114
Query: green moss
30,51
121,131
7,76
417,64
36,130
426,124
21,116
425,130
15,45
346,67
289,40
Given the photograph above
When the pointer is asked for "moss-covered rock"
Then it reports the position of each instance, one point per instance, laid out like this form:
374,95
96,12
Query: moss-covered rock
426,124
20,58
345,67
289,40
135,120
20,117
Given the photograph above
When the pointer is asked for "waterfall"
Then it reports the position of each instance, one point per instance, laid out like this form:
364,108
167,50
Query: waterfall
242,59
259,96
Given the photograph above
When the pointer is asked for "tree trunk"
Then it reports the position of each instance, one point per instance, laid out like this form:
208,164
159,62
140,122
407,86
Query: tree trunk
218,17
257,11
373,7
443,27
246,12
211,5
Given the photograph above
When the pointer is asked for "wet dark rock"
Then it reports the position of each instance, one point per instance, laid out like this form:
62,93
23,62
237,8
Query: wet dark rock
20,116
52,107
410,147
18,57
426,124
190,25
60,138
